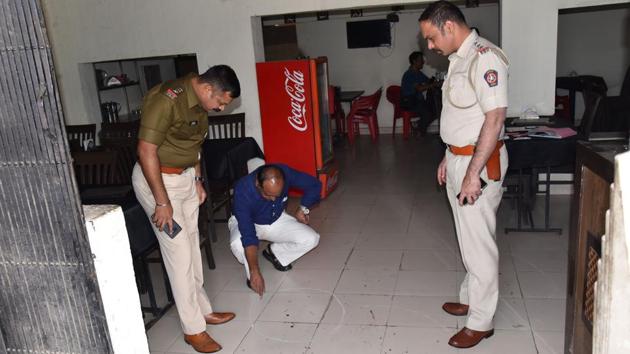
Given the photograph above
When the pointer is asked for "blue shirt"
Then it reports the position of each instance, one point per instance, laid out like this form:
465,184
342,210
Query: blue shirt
251,208
409,80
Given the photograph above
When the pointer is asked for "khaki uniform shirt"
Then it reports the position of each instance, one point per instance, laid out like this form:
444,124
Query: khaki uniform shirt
173,119
476,83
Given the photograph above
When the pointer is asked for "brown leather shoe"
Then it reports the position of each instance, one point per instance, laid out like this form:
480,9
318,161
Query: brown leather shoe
467,338
202,342
215,318
455,308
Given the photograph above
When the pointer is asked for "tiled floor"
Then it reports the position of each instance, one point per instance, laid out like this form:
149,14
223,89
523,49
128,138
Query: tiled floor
387,260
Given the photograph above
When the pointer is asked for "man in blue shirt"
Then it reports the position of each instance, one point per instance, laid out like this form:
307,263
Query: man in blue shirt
412,86
260,200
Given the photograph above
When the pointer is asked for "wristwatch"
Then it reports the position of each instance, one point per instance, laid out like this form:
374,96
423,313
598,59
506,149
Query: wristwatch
305,210
198,178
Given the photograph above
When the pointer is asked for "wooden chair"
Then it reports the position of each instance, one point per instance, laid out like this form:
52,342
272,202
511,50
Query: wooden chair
219,192
226,126
77,134
120,130
97,168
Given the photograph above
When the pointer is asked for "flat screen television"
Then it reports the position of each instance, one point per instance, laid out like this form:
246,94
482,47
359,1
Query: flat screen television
368,34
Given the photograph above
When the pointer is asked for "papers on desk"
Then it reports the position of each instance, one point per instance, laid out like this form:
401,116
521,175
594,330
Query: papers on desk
525,133
552,133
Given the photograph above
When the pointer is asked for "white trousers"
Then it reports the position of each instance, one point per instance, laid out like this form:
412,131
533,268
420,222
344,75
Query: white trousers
290,239
181,255
476,233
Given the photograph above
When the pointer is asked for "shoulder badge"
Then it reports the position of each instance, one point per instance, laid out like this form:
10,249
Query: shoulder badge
491,77
172,93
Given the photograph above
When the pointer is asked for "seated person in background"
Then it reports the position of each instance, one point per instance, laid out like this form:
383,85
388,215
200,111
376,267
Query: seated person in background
260,199
412,87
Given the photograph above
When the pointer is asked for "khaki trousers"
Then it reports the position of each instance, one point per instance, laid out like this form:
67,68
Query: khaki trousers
476,233
181,254
290,239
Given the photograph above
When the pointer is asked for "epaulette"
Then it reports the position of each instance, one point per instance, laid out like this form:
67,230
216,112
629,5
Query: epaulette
172,93
481,49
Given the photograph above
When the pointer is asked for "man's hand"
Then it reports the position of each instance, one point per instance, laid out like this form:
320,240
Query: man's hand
163,217
441,172
471,189
301,217
257,282
201,192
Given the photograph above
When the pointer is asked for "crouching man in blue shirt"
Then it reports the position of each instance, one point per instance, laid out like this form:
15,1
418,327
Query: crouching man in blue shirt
260,200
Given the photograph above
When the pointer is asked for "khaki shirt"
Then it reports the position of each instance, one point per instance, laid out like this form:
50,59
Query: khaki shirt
173,119
476,83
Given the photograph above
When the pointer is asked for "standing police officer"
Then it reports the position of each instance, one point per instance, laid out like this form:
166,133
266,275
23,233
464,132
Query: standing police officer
168,184
473,114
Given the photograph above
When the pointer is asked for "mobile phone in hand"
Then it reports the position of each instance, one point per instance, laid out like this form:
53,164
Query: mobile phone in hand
174,231
483,186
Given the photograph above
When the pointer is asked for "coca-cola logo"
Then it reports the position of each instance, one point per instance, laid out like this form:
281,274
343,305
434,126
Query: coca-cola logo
294,86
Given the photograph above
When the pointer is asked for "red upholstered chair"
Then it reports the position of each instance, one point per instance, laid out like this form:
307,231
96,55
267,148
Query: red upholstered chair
335,110
393,96
363,110
562,107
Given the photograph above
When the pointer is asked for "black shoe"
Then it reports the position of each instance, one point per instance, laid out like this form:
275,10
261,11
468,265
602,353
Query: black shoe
276,263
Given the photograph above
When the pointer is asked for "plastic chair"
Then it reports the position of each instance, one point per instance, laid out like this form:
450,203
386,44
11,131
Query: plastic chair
363,110
335,110
393,96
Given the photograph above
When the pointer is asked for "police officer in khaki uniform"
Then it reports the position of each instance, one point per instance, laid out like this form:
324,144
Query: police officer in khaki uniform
168,184
473,115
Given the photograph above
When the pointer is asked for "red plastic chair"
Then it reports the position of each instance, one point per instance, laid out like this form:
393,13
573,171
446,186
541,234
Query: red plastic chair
363,110
393,96
335,110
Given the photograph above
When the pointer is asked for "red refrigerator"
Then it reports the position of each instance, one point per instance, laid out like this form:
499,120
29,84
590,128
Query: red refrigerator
295,117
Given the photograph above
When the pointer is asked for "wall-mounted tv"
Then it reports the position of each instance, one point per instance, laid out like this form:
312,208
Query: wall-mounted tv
368,34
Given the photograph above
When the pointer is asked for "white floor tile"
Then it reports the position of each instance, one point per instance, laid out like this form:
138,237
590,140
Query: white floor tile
420,239
246,305
540,260
414,282
323,258
431,260
421,311
310,280
543,285
164,333
358,309
374,259
277,338
347,339
296,307
414,340
546,314
372,240
361,281
549,342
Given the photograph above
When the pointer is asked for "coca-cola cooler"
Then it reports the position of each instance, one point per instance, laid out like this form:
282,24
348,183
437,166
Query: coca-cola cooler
295,117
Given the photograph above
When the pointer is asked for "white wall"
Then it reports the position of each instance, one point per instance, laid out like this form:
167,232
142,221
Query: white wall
220,31
370,68
595,43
